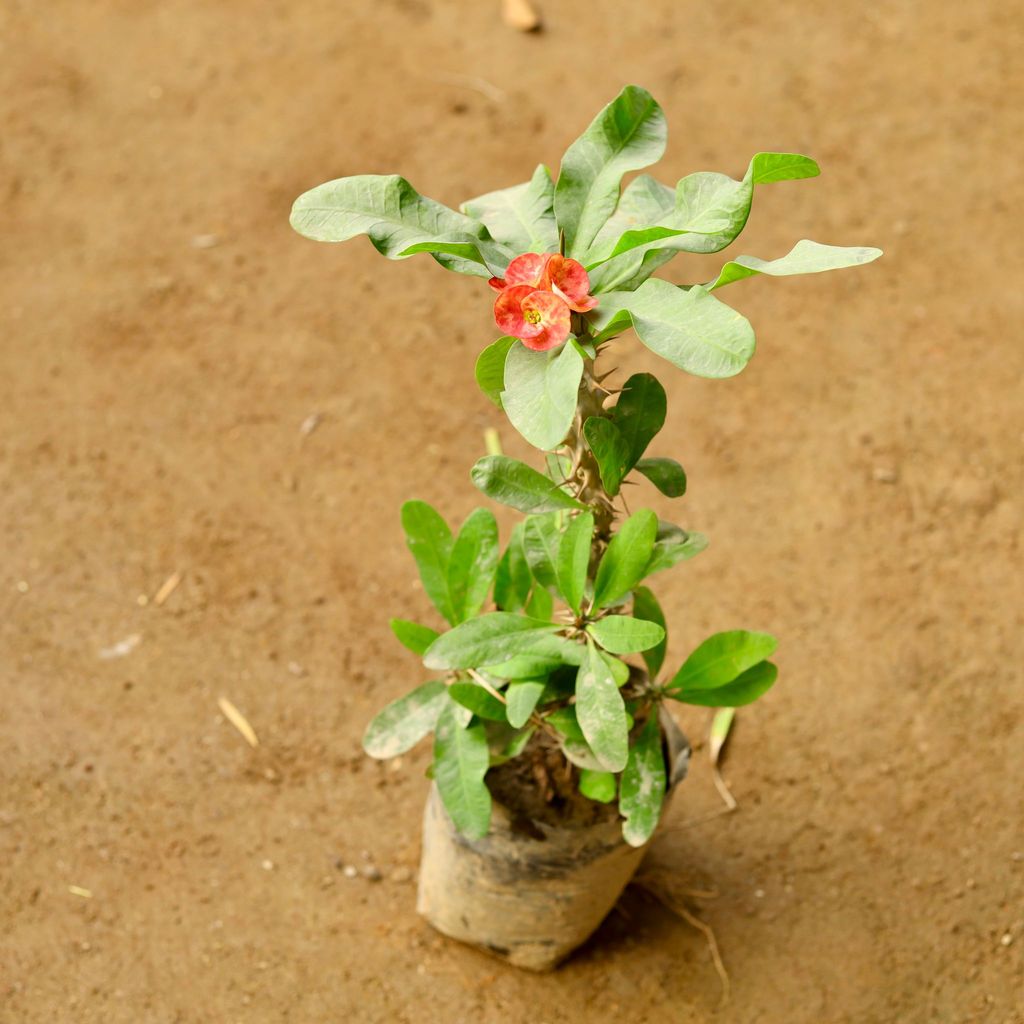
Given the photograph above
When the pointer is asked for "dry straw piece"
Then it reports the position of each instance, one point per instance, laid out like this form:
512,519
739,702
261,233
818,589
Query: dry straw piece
238,720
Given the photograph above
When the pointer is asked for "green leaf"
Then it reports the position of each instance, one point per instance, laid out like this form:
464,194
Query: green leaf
672,546
486,640
522,699
388,209
490,368
768,167
430,542
710,211
806,257
599,786
643,201
478,700
642,789
666,474
404,722
640,413
466,254
618,668
541,604
461,760
622,634
625,559
412,635
513,483
512,581
540,393
473,562
529,666
646,607
541,540
574,558
626,135
610,449
720,659
744,689
689,328
523,216
601,711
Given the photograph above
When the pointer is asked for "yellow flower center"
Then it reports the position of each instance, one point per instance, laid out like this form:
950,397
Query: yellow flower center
532,316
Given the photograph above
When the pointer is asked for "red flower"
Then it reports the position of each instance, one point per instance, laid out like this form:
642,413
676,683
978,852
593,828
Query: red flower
536,296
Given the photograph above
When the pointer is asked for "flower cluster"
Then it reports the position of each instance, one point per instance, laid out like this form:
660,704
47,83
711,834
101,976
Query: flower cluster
537,296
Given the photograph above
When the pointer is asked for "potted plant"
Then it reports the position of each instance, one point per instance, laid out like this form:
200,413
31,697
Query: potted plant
554,754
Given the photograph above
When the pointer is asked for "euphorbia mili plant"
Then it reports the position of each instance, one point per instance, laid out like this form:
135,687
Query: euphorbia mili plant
554,640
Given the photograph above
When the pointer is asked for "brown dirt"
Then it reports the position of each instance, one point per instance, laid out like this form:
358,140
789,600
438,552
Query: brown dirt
861,484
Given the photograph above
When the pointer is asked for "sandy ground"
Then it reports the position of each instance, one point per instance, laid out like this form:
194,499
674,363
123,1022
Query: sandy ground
861,484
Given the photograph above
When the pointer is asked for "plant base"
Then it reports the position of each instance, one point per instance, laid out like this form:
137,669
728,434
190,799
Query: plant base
527,892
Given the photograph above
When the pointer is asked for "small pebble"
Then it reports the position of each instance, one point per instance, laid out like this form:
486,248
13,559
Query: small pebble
1006,939
401,875
372,873
205,241
350,871
296,669
267,865
884,475
22,586
759,893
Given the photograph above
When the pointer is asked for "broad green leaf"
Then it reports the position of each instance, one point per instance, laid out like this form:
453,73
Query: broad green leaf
626,135
666,474
625,559
541,539
478,700
404,722
541,604
599,786
618,668
512,581
565,721
744,689
519,486
412,635
465,254
430,542
621,634
642,788
516,745
720,659
646,607
528,666
710,211
643,201
473,562
578,752
490,368
522,217
610,449
672,546
461,760
689,328
601,711
522,699
540,393
388,209
574,558
806,257
486,640
640,413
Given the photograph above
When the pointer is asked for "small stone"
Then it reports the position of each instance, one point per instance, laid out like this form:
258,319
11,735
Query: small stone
296,669
22,586
759,893
205,241
372,873
884,475
401,875
267,865
350,871
1006,939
